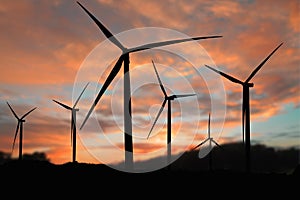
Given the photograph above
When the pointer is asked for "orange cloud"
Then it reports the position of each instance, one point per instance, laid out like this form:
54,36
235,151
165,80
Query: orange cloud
225,8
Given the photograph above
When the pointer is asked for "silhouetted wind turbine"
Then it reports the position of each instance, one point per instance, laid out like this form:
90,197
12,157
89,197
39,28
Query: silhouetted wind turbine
20,125
169,122
246,104
210,139
124,58
73,121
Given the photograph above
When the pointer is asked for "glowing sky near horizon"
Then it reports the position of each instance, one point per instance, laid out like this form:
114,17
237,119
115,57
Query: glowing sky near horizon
44,43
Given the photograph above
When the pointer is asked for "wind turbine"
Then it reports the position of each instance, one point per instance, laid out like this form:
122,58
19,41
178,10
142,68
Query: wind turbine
168,99
73,121
246,105
210,139
124,58
20,125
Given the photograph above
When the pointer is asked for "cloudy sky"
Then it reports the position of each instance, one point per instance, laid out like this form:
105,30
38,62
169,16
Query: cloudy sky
51,49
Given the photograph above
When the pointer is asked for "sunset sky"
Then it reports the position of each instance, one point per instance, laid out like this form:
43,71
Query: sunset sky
46,47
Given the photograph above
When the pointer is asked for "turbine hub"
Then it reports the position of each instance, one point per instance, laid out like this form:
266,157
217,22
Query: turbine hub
170,97
125,50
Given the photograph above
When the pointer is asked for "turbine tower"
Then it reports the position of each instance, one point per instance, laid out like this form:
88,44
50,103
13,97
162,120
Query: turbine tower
19,126
73,122
168,99
246,104
124,59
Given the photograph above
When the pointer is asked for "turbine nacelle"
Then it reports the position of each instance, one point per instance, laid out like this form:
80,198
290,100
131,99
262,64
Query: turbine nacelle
248,84
172,97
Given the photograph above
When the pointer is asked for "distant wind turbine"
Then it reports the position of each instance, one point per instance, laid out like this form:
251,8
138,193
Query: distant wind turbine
246,104
124,58
73,121
20,125
210,140
169,122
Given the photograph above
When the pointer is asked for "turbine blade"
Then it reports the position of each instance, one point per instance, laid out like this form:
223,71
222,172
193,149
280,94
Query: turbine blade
183,95
216,144
28,113
160,83
107,82
201,143
103,29
261,64
80,95
231,78
63,105
165,43
196,147
12,110
158,114
15,137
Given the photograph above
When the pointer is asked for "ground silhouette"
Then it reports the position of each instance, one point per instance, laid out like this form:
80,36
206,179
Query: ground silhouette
228,162
277,172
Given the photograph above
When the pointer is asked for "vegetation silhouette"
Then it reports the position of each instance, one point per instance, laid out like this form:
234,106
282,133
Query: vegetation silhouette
268,163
